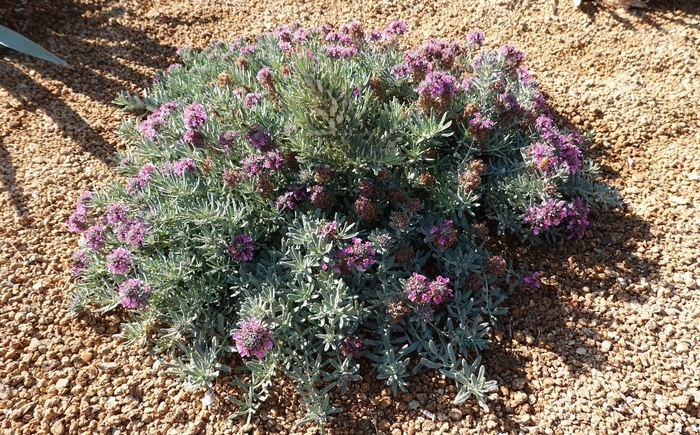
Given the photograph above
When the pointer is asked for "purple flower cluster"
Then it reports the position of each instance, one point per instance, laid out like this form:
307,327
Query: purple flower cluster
577,216
140,179
133,293
444,234
77,221
152,124
178,167
251,99
373,36
301,35
283,33
548,214
320,196
475,38
340,51
437,84
78,261
394,29
531,280
194,116
284,46
552,212
544,157
354,29
442,52
329,230
259,138
339,38
479,125
512,56
118,261
556,149
131,231
285,201
420,290
246,49
415,65
264,75
268,163
193,138
241,248
93,237
252,338
226,139
289,199
351,346
359,255
115,213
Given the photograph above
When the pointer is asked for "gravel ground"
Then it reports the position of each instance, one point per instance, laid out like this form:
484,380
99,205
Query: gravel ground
608,345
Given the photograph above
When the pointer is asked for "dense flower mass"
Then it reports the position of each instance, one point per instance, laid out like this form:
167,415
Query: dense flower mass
141,178
131,232
252,338
437,85
259,138
332,190
475,38
115,213
552,213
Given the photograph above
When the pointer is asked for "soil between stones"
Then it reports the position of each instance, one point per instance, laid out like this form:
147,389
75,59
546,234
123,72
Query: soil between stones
608,345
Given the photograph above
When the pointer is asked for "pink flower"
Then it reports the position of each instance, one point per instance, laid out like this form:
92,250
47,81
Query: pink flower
351,346
531,280
444,234
133,293
194,116
252,338
118,261
241,248
78,261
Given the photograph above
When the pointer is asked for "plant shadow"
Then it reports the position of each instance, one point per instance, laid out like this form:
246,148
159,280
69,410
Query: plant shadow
648,14
99,49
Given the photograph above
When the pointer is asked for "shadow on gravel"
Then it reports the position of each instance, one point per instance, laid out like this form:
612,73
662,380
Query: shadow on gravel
7,174
95,45
688,7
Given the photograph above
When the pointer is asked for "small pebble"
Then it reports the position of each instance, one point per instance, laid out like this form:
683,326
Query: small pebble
86,356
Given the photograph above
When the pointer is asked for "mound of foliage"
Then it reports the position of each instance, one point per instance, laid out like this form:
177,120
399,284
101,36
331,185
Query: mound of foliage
321,200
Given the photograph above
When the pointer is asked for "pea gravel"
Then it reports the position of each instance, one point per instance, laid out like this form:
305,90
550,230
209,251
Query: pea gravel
608,345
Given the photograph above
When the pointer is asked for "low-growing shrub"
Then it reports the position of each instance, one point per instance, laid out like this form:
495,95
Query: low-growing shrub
320,200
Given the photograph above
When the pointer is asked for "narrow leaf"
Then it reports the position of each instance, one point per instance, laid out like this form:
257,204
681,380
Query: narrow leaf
15,41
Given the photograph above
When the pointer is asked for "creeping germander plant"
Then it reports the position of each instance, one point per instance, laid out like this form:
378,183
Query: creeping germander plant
317,202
